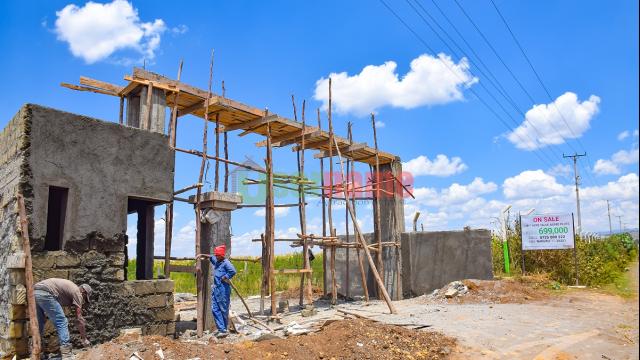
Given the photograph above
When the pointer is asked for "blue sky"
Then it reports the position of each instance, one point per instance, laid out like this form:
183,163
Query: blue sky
467,164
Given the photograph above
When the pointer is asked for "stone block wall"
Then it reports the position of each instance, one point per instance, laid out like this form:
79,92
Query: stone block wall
147,304
13,151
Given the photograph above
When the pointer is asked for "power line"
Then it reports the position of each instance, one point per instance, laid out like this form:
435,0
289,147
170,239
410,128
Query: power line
470,89
542,84
499,88
495,52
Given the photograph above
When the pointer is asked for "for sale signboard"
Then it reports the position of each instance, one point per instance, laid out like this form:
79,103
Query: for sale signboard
549,231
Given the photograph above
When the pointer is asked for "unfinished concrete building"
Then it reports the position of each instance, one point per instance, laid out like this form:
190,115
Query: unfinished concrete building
80,177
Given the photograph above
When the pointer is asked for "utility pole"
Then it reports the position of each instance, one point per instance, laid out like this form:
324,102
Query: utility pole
505,244
609,212
575,157
620,221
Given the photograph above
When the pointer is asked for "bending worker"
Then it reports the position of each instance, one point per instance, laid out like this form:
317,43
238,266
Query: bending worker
221,291
51,295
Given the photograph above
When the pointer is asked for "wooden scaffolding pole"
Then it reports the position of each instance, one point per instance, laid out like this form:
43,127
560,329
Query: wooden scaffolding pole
378,233
217,168
346,219
200,315
265,279
270,223
362,241
226,149
306,292
334,295
168,214
324,219
363,275
28,275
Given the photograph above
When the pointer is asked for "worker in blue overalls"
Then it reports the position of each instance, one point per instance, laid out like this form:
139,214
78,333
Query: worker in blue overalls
221,291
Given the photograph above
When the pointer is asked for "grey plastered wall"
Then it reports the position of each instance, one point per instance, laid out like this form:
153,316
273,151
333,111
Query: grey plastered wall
433,259
430,260
101,163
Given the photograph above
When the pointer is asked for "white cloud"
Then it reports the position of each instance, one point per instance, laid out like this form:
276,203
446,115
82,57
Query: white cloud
431,80
562,170
624,188
440,166
613,166
623,135
532,183
529,189
278,212
95,31
544,125
380,124
606,167
625,157
454,194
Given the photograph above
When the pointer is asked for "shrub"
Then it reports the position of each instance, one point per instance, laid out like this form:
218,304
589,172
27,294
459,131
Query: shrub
600,261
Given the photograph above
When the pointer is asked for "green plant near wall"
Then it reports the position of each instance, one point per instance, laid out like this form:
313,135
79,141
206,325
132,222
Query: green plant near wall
249,275
600,261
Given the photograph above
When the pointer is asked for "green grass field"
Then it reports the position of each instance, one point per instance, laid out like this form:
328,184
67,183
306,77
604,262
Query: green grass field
249,275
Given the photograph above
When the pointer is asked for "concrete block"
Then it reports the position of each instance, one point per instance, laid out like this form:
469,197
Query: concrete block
143,287
93,258
165,314
16,277
43,261
117,259
55,273
171,328
17,312
156,301
22,347
16,330
158,329
164,286
15,261
66,260
18,295
113,274
126,289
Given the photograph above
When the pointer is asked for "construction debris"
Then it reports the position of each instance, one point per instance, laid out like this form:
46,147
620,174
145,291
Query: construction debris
359,338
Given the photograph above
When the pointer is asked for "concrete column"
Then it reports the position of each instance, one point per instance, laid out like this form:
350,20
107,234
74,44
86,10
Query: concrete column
137,109
213,235
391,226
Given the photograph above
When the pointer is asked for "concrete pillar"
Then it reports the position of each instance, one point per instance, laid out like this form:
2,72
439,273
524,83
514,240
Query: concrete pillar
213,235
391,226
137,108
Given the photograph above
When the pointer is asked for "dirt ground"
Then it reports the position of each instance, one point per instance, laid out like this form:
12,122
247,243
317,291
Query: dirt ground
347,339
502,319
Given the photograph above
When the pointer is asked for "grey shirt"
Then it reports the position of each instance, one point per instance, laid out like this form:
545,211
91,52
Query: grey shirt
66,292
